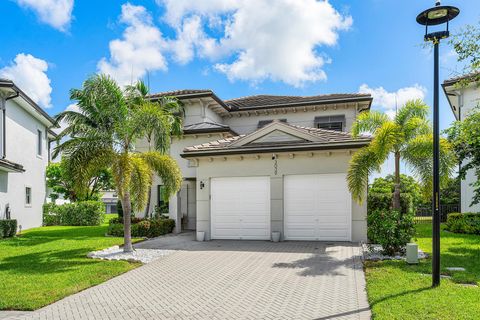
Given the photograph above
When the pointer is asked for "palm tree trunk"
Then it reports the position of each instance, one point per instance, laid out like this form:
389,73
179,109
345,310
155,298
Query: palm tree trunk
127,212
396,192
147,208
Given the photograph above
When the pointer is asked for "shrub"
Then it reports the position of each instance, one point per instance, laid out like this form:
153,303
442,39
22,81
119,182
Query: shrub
120,220
383,201
8,228
391,229
464,222
145,228
115,230
81,213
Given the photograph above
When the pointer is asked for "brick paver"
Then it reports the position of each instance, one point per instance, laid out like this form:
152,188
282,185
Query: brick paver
229,280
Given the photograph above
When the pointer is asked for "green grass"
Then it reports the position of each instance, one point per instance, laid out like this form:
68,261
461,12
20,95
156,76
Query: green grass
48,263
400,291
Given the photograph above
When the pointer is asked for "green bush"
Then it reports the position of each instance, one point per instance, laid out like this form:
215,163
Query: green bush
145,228
120,220
81,213
391,229
383,201
8,228
464,222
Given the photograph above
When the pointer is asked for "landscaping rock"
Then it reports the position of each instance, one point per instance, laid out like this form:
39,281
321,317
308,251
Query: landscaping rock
373,252
455,269
138,255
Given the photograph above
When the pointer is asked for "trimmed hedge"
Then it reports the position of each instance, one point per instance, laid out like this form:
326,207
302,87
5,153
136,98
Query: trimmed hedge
464,222
8,228
81,213
145,228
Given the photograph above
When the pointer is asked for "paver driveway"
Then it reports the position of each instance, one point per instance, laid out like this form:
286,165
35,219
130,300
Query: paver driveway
229,280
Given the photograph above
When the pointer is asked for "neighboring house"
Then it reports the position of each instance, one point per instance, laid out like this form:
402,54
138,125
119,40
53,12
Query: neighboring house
462,99
24,150
110,199
265,163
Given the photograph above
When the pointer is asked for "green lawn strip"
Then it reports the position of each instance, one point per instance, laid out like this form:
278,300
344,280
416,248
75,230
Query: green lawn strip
400,291
48,263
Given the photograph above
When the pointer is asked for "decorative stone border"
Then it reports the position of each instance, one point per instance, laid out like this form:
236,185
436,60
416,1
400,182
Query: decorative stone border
138,255
373,252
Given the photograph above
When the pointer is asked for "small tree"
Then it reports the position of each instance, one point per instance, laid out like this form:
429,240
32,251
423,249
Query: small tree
465,138
407,136
61,180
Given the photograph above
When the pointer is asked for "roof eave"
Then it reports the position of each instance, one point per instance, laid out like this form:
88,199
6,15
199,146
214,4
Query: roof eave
24,96
200,95
282,148
309,103
213,130
444,87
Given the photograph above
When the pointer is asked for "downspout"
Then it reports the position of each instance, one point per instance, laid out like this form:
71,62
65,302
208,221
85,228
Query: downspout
4,121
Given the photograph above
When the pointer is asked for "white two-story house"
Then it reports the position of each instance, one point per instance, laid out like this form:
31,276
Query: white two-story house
463,95
264,163
24,155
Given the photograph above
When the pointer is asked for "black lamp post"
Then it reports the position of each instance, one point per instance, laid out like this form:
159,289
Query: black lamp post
431,17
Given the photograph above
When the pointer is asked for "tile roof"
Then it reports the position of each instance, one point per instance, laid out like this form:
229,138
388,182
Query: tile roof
206,127
264,101
326,137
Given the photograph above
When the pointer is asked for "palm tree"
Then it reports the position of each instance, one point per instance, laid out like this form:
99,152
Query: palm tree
103,135
173,108
409,137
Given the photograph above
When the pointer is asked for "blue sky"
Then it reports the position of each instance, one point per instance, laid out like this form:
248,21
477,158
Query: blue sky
338,46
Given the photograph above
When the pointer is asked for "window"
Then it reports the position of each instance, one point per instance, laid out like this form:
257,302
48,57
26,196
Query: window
161,202
263,123
28,196
336,123
39,142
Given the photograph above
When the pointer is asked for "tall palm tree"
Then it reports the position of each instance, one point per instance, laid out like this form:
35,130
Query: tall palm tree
173,108
409,137
103,134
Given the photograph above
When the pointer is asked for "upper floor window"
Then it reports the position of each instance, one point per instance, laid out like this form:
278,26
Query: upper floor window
39,142
336,123
263,123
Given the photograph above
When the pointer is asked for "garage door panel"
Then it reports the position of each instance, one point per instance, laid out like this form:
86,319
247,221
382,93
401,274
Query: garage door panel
240,208
317,207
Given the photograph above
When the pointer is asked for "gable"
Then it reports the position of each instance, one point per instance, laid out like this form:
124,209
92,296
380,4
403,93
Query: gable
277,136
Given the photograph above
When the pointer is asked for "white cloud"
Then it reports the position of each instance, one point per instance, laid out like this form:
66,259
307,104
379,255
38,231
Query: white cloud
257,39
29,73
388,101
139,50
57,13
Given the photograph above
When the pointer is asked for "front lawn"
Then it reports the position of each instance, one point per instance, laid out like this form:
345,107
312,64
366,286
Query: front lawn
48,263
400,291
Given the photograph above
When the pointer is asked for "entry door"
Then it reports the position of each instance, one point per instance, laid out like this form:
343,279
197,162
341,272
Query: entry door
317,207
240,208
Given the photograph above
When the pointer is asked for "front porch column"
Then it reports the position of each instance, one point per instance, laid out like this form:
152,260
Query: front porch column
175,213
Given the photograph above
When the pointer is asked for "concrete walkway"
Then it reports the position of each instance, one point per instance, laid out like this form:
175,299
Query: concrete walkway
228,280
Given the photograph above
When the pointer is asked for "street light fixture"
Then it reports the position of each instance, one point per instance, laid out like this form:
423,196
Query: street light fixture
432,17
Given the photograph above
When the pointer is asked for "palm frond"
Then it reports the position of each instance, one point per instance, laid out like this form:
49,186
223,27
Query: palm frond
141,180
368,122
166,168
412,109
362,164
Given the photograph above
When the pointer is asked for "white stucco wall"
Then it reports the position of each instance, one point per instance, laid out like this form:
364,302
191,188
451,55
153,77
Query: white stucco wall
246,124
249,165
21,148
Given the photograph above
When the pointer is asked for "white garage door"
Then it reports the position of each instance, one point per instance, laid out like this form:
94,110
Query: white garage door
317,207
240,208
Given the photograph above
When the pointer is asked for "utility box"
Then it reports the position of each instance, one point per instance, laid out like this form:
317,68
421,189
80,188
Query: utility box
412,253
